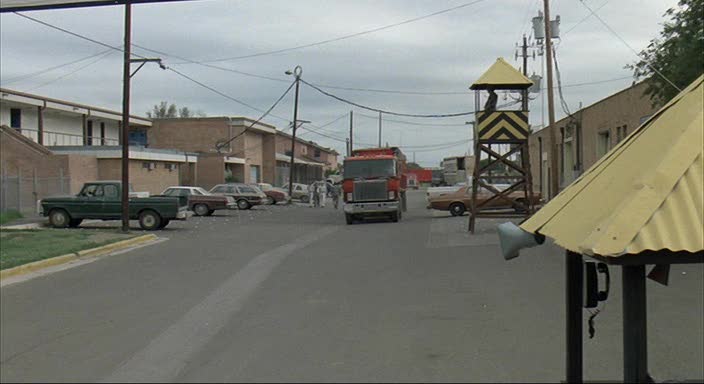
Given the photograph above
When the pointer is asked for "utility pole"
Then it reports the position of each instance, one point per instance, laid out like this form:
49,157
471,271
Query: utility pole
347,146
351,133
126,66
525,70
379,129
296,72
554,181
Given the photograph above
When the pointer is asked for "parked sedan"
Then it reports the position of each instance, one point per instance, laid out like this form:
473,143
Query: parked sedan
459,201
274,195
200,201
245,196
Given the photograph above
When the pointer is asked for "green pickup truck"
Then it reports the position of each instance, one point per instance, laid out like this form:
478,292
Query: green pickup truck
101,200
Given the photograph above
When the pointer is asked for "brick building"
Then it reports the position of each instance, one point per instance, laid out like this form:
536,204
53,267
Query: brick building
587,135
311,160
249,158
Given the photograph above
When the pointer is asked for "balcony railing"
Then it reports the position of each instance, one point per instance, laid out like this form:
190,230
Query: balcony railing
66,139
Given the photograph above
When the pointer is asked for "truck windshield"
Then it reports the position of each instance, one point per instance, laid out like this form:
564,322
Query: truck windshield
369,168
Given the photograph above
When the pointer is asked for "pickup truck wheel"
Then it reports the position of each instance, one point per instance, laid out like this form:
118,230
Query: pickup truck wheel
457,209
243,204
349,218
73,223
58,218
201,209
149,220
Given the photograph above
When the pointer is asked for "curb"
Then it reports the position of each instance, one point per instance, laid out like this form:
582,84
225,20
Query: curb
67,258
25,226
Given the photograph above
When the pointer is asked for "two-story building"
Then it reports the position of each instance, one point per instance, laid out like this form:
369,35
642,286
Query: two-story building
311,160
50,146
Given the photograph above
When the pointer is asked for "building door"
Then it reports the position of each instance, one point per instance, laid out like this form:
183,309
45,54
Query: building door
253,173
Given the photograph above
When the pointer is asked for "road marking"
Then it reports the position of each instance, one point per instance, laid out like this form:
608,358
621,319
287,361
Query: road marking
166,355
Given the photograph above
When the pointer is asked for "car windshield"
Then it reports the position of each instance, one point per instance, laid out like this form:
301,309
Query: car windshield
369,168
247,189
201,191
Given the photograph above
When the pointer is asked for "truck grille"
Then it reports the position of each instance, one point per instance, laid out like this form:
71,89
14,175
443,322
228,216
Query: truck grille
370,190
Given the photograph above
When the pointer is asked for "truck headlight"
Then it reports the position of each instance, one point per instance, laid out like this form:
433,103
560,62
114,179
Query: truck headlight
349,196
392,195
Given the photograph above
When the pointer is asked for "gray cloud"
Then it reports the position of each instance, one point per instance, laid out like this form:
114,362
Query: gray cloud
443,53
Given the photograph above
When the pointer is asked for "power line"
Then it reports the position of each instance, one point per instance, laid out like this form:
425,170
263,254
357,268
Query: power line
628,45
381,110
105,54
73,33
584,18
43,71
373,30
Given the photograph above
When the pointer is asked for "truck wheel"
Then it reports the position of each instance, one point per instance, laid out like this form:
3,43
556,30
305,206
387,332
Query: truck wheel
243,204
58,218
200,209
349,218
394,217
73,223
149,220
457,209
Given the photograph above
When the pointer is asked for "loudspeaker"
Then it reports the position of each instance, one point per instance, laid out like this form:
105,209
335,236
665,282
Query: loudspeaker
513,239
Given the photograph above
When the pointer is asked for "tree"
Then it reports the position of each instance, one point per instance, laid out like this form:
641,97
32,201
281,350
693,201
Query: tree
164,110
678,53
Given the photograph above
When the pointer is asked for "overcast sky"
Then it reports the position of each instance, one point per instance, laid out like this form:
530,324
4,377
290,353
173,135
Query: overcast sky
443,53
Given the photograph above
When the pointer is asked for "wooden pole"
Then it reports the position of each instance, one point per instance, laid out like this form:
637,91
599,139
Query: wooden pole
635,336
554,177
574,291
126,118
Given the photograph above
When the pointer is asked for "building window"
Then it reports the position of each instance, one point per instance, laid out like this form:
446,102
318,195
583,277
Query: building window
89,132
603,144
102,133
16,118
304,149
317,153
287,153
171,166
148,165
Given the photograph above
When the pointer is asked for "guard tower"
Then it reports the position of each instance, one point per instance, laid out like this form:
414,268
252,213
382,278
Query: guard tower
503,136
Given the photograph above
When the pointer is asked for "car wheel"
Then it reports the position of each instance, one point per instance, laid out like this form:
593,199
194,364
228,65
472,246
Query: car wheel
270,200
200,209
520,206
457,209
394,217
73,223
210,212
149,220
349,218
243,204
58,218
304,198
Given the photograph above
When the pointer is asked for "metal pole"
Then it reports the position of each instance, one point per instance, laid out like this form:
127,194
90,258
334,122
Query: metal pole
635,342
574,271
297,73
525,71
351,134
126,118
379,129
554,177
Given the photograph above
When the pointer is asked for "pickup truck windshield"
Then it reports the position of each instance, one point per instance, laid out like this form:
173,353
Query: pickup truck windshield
369,168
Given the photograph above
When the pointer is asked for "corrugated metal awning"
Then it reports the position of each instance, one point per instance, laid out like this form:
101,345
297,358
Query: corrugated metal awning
646,194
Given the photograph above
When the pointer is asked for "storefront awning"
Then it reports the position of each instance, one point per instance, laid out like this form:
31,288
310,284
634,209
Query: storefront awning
287,159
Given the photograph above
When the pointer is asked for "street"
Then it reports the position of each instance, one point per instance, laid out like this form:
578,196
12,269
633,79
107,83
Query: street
291,293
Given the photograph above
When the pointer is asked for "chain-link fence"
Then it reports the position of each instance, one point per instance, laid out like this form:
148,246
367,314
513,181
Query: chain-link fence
22,192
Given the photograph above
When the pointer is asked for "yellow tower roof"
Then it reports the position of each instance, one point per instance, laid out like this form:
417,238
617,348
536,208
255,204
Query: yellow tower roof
646,194
501,75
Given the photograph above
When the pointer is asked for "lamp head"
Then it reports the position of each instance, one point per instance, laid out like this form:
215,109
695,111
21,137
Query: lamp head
512,239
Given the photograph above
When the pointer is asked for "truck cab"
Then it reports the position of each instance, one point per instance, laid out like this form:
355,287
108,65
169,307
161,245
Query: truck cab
374,184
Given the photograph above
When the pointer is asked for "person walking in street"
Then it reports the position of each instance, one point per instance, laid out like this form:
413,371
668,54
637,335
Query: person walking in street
335,195
322,192
311,194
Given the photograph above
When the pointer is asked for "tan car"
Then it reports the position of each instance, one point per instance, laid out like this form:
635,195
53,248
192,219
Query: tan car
459,202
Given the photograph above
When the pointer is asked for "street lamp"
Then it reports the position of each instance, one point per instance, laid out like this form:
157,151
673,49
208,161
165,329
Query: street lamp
297,72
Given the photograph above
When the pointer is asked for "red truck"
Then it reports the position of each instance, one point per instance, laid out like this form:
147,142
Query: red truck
374,183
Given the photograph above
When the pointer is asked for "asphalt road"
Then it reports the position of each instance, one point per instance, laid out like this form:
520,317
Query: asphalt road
293,294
